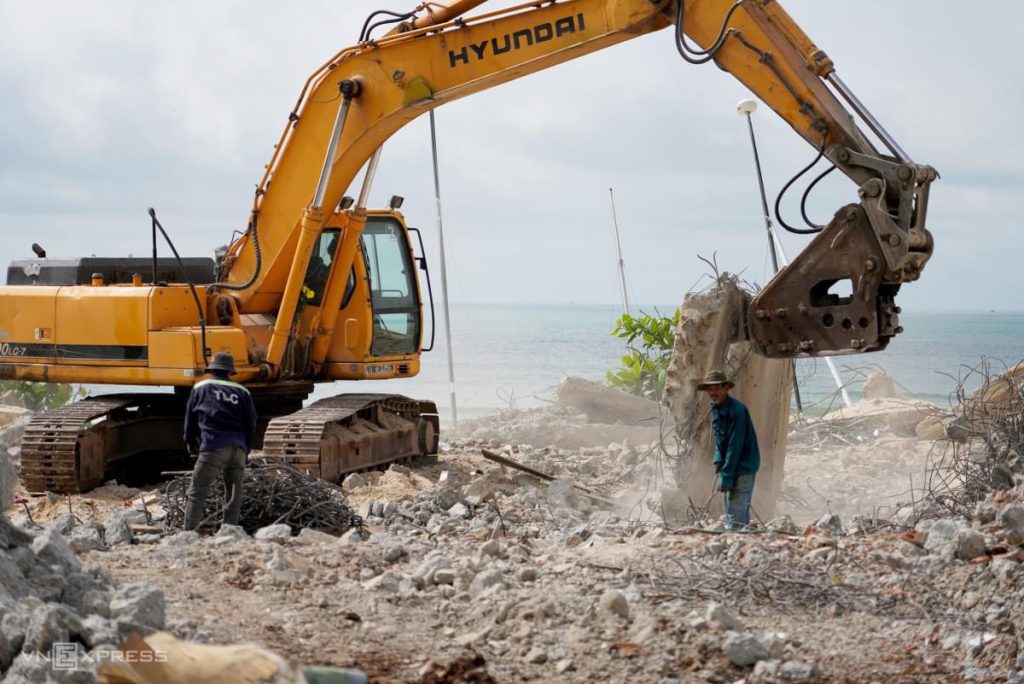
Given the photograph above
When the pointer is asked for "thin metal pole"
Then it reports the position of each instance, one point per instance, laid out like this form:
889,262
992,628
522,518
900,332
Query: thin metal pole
618,253
444,271
828,359
771,241
764,202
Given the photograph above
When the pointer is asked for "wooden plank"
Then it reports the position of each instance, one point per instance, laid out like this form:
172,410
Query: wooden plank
497,458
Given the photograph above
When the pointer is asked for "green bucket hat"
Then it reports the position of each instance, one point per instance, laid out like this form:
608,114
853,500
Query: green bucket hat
715,377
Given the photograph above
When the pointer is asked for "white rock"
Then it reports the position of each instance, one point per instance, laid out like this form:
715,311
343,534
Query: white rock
138,605
720,617
459,510
354,535
310,536
528,574
394,553
234,532
354,481
969,544
85,538
274,533
490,548
537,656
485,580
53,549
384,582
183,538
800,671
1011,519
613,602
743,649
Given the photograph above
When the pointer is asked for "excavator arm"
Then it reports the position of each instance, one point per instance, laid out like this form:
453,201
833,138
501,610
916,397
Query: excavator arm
364,94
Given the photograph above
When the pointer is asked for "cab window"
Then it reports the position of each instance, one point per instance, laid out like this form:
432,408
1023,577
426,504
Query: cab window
393,294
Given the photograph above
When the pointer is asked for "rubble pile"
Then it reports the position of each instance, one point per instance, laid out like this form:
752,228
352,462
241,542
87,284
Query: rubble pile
54,606
562,427
554,563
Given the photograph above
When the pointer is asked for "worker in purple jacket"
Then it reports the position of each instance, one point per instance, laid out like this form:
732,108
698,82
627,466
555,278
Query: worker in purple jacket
220,421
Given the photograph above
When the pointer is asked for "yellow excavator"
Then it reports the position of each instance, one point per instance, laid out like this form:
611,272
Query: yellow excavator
320,288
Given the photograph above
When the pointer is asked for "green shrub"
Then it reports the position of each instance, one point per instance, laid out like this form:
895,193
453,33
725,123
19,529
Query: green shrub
40,396
649,341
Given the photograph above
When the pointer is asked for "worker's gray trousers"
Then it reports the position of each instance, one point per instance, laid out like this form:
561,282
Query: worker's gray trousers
227,460
737,502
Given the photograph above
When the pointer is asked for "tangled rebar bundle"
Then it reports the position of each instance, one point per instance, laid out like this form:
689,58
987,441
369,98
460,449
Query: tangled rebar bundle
984,447
271,493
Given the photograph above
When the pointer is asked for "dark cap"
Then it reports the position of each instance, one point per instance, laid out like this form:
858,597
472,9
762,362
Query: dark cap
222,361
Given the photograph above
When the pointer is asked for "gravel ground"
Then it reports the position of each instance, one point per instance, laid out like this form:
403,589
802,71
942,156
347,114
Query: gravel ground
475,572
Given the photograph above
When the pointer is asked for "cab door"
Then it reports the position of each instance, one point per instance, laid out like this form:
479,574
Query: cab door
394,291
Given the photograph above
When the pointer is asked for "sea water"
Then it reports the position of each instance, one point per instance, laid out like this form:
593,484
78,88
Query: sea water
513,356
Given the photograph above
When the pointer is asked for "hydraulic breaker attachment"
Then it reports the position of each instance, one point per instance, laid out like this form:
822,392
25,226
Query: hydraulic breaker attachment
838,295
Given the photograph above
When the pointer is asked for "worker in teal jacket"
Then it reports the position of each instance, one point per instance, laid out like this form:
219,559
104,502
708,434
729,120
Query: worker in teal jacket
737,458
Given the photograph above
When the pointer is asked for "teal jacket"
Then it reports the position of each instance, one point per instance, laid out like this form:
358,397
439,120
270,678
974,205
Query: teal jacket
735,442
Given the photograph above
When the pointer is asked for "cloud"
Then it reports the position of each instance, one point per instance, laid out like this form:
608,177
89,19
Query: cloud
114,106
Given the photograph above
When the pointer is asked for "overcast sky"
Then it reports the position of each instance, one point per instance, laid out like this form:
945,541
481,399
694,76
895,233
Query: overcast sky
113,106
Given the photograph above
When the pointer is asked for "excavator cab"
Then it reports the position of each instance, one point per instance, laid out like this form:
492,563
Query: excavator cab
379,328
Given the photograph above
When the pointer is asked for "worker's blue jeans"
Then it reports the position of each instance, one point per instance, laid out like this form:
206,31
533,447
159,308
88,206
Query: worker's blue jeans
227,460
736,502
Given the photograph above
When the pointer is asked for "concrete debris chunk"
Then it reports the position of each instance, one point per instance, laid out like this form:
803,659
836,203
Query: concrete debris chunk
485,580
613,603
1011,520
117,526
230,533
459,510
63,524
386,582
354,481
183,538
85,538
394,553
53,549
969,544
720,617
49,624
308,535
138,606
537,656
744,649
278,533
942,536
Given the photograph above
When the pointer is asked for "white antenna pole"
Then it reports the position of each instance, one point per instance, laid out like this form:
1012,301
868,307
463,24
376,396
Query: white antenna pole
828,359
746,108
444,272
618,253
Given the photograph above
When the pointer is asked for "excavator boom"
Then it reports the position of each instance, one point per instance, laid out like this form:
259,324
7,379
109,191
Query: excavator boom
365,93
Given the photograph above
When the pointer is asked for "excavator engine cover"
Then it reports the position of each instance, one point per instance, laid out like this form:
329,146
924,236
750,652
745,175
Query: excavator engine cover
802,312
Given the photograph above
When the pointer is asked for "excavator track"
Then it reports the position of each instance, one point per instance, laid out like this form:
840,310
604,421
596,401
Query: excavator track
50,449
351,432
